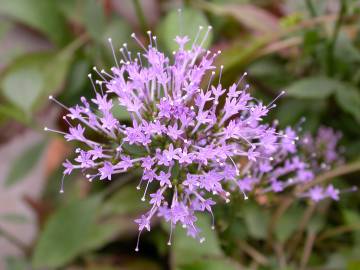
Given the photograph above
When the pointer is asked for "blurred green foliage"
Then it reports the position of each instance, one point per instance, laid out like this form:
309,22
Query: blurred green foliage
309,48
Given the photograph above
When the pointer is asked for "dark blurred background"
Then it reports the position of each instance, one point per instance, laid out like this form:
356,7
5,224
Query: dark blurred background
310,48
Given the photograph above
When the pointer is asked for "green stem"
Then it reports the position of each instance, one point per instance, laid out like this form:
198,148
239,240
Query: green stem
309,244
311,8
338,231
333,40
141,16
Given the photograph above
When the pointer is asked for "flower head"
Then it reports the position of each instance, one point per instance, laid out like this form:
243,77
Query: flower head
195,147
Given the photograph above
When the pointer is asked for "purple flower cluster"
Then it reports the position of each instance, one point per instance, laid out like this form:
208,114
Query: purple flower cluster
292,164
194,143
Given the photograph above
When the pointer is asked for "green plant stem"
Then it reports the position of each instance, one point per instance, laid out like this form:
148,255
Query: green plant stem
309,243
333,40
337,231
311,8
253,253
141,16
280,255
293,243
14,240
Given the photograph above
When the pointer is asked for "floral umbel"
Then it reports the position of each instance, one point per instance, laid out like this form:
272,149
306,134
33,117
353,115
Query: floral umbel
194,140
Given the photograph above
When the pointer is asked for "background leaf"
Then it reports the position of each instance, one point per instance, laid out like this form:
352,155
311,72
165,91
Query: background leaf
286,225
29,80
187,24
94,19
317,87
42,15
348,98
125,201
256,220
210,264
24,163
24,80
186,250
66,233
13,263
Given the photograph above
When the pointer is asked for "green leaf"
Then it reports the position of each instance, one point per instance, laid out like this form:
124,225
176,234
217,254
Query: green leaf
185,24
345,49
348,98
66,234
42,15
77,81
210,264
312,87
256,220
104,232
24,163
186,250
238,56
94,19
56,71
100,235
118,30
351,218
353,265
287,224
124,202
316,224
72,10
134,149
13,263
119,111
23,81
29,80
13,112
